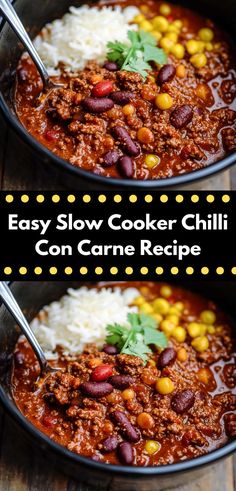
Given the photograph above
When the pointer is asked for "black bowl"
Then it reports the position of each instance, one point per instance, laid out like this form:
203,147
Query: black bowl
31,297
10,50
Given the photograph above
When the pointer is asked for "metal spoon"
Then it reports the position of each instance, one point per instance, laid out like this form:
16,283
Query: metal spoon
11,16
14,309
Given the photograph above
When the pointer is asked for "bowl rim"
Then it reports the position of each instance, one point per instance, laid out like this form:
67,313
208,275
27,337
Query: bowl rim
128,471
53,159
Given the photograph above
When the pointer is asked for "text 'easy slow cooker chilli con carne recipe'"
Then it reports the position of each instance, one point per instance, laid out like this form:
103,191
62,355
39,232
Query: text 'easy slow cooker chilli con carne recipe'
148,374
149,90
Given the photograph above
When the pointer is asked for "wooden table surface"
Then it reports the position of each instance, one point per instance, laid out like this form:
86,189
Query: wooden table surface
22,467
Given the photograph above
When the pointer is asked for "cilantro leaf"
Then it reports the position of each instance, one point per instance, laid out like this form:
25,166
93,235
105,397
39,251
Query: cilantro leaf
135,55
135,339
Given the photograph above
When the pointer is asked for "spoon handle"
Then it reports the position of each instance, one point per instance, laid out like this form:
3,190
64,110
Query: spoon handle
11,16
14,309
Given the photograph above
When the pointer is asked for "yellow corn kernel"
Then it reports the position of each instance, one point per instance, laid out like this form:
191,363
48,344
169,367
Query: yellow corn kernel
128,394
206,34
160,23
146,25
165,9
139,301
164,385
173,311
219,329
179,306
166,291
182,355
145,421
194,329
178,51
151,160
173,36
211,329
203,329
167,327
208,317
138,18
144,8
178,23
204,375
209,46
161,306
151,446
181,71
146,308
166,44
217,46
164,101
158,318
173,318
192,46
173,28
202,91
145,290
199,60
179,334
157,35
151,363
200,344
128,109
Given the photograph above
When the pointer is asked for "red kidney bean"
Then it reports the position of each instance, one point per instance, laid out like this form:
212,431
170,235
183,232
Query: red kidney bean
166,74
183,401
121,381
129,432
125,453
97,105
110,158
110,444
111,66
181,116
166,357
129,146
126,167
96,389
101,373
103,88
110,349
122,97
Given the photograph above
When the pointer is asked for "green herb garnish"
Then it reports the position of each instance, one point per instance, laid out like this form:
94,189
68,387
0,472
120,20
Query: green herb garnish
136,339
134,57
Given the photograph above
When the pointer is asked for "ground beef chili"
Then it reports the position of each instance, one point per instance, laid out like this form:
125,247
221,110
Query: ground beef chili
112,408
110,122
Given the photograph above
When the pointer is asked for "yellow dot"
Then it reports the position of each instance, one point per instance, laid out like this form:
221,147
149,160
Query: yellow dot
174,270
210,198
55,198
233,270
129,270
205,270
40,198
189,270
159,270
164,198
86,198
148,198
117,198
9,198
68,270
144,270
133,198
38,270
53,270
114,270
83,270
7,270
179,198
102,198
225,198
24,198
220,270
194,198
98,270
23,270
71,198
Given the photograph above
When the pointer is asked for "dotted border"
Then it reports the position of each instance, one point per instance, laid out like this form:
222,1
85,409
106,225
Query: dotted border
128,271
